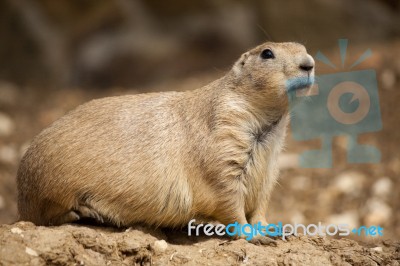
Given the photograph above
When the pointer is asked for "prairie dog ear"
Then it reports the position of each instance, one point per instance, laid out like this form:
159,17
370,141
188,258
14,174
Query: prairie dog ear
239,64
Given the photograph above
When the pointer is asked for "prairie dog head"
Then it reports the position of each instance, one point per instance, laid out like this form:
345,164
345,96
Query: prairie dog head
270,70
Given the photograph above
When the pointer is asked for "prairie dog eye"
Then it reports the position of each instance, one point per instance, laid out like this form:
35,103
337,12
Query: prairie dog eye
267,54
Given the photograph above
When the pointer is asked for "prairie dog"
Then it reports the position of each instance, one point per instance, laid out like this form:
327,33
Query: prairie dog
165,158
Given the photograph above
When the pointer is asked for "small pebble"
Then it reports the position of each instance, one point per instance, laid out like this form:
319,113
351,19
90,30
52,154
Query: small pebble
382,187
160,246
378,212
31,252
16,230
377,249
349,182
130,244
351,218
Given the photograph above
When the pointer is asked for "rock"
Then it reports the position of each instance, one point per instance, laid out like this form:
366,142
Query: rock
382,187
377,249
288,160
349,182
160,246
129,245
300,183
8,154
6,125
16,230
351,218
378,212
31,252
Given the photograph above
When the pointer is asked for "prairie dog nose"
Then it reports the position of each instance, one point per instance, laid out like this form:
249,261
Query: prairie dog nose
307,63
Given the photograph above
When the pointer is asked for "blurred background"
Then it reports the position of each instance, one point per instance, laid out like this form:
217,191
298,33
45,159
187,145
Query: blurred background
55,55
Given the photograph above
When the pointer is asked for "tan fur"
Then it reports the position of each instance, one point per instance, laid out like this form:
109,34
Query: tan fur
165,158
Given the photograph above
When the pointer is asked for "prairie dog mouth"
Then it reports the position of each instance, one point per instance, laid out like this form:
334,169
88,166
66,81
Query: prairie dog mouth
300,83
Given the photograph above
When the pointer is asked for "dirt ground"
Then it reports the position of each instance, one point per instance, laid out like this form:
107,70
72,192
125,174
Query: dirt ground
363,194
25,244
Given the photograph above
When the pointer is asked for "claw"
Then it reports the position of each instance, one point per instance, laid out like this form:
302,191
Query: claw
90,213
